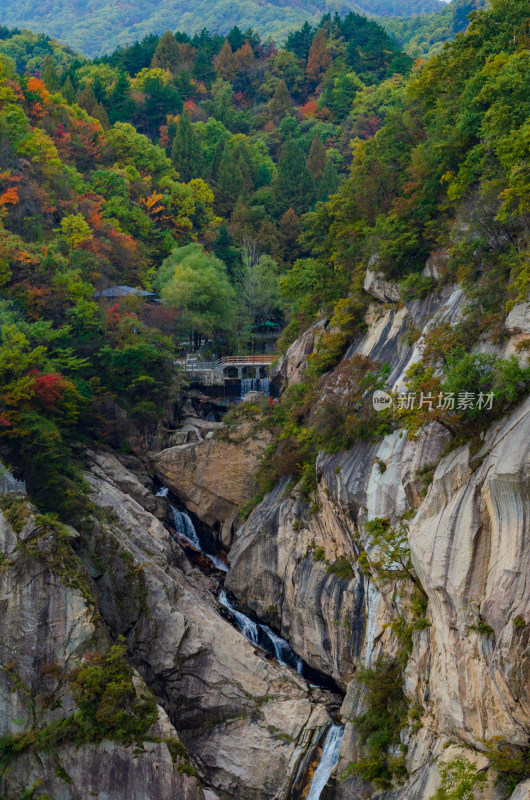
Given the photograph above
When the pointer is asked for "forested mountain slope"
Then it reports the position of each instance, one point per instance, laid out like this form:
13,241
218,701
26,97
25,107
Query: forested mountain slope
424,35
378,210
98,27
242,140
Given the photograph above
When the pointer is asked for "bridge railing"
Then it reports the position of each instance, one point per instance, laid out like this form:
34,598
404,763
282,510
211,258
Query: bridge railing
10,485
194,365
238,361
200,366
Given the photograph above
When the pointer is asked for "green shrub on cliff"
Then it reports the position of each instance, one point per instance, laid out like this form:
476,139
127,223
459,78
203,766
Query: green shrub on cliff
389,558
379,727
460,780
511,762
110,706
480,373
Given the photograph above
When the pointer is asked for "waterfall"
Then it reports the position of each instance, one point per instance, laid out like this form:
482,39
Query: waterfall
264,636
247,385
217,562
255,632
283,651
328,761
255,385
245,625
186,528
281,647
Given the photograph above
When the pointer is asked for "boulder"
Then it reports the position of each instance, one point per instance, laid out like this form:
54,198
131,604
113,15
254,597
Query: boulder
290,367
522,791
215,477
376,285
436,265
518,320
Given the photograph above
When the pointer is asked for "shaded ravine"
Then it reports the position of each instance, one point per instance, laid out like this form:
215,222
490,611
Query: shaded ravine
185,529
280,649
256,632
263,637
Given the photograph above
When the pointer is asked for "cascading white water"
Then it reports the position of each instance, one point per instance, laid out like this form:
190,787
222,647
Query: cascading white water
281,648
246,626
255,385
217,562
283,651
185,527
328,761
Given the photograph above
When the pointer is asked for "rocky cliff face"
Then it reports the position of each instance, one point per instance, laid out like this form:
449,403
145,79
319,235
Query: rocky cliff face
468,532
214,476
50,626
232,722
273,572
245,720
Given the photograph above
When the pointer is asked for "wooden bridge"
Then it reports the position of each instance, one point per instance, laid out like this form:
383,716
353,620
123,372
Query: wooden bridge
227,367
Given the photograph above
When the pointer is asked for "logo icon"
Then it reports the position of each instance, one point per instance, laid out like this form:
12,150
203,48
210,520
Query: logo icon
381,400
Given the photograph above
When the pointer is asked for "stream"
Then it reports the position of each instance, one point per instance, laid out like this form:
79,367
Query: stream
258,633
328,761
263,636
273,644
185,528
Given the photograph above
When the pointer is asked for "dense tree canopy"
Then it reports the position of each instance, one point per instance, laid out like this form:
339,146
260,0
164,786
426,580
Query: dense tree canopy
244,182
100,26
197,285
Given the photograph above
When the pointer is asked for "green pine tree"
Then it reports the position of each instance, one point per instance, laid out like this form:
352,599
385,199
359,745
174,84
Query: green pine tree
294,186
100,113
316,161
167,54
87,100
49,74
329,182
187,153
280,103
224,250
121,106
68,91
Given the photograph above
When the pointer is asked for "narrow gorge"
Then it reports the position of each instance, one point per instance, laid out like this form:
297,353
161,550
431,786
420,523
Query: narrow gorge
224,648
265,405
